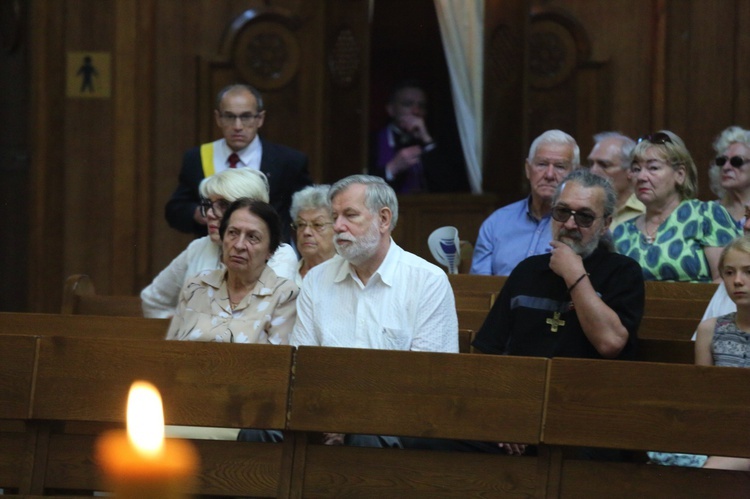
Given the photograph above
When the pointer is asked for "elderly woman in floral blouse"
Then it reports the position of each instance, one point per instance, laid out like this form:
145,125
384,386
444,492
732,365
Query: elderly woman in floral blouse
244,302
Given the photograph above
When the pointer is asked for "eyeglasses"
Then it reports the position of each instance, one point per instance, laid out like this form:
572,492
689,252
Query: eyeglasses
247,119
218,207
582,219
735,161
656,138
317,226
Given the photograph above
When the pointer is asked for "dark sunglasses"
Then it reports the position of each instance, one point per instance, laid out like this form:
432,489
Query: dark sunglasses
735,161
583,220
656,138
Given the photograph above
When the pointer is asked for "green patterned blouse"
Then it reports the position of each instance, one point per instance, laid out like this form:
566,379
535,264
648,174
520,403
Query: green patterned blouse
677,253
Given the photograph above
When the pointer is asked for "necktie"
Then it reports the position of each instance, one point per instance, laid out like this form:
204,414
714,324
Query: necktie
233,160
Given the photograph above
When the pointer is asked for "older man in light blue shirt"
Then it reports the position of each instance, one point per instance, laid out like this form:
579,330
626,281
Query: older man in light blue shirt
522,229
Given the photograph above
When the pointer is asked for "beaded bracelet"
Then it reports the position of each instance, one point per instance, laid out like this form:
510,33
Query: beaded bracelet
577,281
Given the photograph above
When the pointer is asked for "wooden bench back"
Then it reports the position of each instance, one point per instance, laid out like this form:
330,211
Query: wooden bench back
475,300
47,433
444,395
471,319
88,380
654,289
669,351
84,382
681,290
648,406
645,406
683,308
79,297
476,283
17,363
91,326
667,328
417,394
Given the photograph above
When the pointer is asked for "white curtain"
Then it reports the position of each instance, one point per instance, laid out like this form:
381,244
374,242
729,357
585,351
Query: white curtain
461,27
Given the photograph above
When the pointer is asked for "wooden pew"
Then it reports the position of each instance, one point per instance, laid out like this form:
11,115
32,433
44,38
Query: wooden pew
667,328
465,337
418,394
137,328
476,283
671,351
684,308
17,363
474,300
79,297
654,289
647,406
680,290
82,386
471,319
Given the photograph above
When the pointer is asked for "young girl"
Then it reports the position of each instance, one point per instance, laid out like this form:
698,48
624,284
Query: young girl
725,340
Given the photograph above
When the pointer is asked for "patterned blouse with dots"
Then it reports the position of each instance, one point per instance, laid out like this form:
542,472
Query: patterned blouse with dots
677,252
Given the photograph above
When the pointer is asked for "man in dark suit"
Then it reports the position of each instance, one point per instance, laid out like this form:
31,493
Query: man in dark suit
239,114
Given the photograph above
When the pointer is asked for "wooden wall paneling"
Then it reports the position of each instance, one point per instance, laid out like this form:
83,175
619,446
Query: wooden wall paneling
593,104
620,33
311,36
174,119
15,152
657,60
131,158
246,55
346,63
88,145
505,97
677,79
144,152
700,48
710,107
741,96
47,230
419,215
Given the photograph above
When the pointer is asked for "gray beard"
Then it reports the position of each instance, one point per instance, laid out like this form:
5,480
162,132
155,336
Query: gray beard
582,250
361,248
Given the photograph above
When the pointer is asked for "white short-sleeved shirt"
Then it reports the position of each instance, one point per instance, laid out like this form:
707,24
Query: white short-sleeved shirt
407,304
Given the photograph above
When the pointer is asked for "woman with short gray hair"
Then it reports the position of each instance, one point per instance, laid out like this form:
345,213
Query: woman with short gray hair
313,228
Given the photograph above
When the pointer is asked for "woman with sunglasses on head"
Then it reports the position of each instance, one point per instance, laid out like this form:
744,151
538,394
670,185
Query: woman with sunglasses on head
679,238
730,171
159,299
313,228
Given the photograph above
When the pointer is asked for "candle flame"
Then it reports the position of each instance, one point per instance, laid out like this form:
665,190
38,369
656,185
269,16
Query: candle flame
145,418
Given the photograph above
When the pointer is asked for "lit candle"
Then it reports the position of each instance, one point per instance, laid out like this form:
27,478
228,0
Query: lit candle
140,463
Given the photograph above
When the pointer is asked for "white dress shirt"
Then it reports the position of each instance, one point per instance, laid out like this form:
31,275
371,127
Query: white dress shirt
249,156
407,304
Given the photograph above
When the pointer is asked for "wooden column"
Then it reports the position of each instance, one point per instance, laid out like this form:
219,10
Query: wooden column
505,97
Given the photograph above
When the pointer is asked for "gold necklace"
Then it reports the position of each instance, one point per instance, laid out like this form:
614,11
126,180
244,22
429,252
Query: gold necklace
650,237
233,304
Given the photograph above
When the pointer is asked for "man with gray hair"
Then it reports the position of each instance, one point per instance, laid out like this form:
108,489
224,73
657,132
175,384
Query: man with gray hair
611,158
580,300
239,114
373,294
521,229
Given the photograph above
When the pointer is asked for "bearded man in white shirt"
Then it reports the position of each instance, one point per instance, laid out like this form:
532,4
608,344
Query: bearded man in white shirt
373,294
